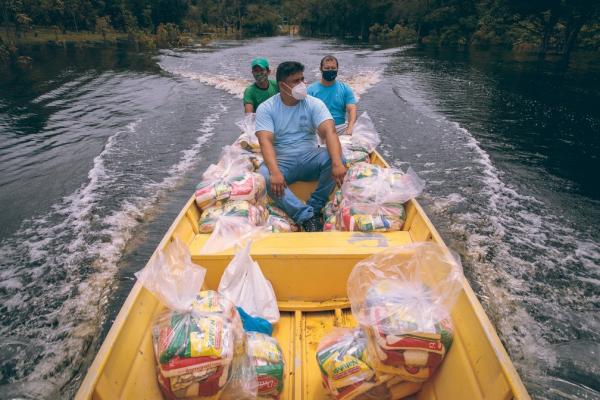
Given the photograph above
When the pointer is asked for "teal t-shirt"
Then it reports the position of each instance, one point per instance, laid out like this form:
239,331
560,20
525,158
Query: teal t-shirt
255,95
336,97
294,128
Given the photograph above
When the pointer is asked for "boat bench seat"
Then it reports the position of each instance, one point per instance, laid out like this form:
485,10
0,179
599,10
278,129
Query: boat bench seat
305,257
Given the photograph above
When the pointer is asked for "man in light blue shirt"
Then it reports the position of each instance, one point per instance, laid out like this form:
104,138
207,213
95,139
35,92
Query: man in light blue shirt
337,96
285,126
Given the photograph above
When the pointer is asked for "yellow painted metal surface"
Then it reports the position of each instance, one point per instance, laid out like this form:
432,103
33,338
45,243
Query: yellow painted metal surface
309,273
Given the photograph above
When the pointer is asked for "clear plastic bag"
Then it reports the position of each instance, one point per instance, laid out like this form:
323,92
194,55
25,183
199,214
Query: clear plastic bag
266,356
248,139
367,183
172,276
341,355
233,162
402,297
202,352
230,232
244,284
364,136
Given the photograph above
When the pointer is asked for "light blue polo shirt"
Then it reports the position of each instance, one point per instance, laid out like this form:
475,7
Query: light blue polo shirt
294,128
336,97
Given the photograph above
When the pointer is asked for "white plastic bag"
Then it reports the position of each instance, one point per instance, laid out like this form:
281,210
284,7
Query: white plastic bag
233,162
244,283
230,232
173,277
425,268
364,136
248,140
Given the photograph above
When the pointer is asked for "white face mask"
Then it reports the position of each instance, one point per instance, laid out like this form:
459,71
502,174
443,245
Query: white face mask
298,91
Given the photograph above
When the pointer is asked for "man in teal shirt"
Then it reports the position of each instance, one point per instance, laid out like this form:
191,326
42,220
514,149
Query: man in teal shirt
262,88
337,96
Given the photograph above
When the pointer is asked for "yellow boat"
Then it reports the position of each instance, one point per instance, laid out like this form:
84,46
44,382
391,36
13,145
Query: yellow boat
308,272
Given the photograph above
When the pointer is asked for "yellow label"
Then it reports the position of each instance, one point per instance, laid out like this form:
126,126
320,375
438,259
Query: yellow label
209,341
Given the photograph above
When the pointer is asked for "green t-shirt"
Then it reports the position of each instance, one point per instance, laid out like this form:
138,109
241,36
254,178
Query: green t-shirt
255,95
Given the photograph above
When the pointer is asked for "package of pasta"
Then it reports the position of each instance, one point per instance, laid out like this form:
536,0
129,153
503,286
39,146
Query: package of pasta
267,358
341,356
402,298
196,349
256,214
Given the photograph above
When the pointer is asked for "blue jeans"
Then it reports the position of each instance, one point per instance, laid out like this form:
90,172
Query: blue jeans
313,164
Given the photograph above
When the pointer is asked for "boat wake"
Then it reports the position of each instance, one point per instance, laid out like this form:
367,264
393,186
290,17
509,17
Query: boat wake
535,273
360,82
57,271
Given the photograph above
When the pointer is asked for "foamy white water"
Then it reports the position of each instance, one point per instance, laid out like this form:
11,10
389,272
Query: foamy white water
62,265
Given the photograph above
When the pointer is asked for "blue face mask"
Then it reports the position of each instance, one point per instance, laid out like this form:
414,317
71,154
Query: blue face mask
329,75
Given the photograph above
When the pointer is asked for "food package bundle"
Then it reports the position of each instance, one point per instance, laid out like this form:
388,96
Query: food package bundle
365,217
256,214
353,153
278,220
402,299
369,183
201,351
267,358
371,199
341,356
250,186
407,339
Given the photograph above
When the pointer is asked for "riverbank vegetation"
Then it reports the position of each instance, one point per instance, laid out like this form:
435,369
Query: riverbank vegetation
558,26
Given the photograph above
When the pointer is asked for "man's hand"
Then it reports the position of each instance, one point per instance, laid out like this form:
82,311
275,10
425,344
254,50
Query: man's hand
349,129
278,184
338,172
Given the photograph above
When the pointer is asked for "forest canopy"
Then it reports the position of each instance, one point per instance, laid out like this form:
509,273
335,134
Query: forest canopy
532,25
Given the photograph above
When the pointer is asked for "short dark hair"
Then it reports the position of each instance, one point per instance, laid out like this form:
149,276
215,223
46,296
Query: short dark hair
288,68
329,57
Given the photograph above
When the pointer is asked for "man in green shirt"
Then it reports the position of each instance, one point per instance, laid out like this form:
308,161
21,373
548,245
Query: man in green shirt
262,88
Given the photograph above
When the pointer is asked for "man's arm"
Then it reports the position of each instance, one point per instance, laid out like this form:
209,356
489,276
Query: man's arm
327,132
278,185
248,108
351,110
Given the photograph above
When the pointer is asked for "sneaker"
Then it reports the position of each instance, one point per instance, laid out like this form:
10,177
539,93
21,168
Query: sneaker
313,224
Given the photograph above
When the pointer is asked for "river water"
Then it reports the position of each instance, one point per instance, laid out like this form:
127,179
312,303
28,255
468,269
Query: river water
100,148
